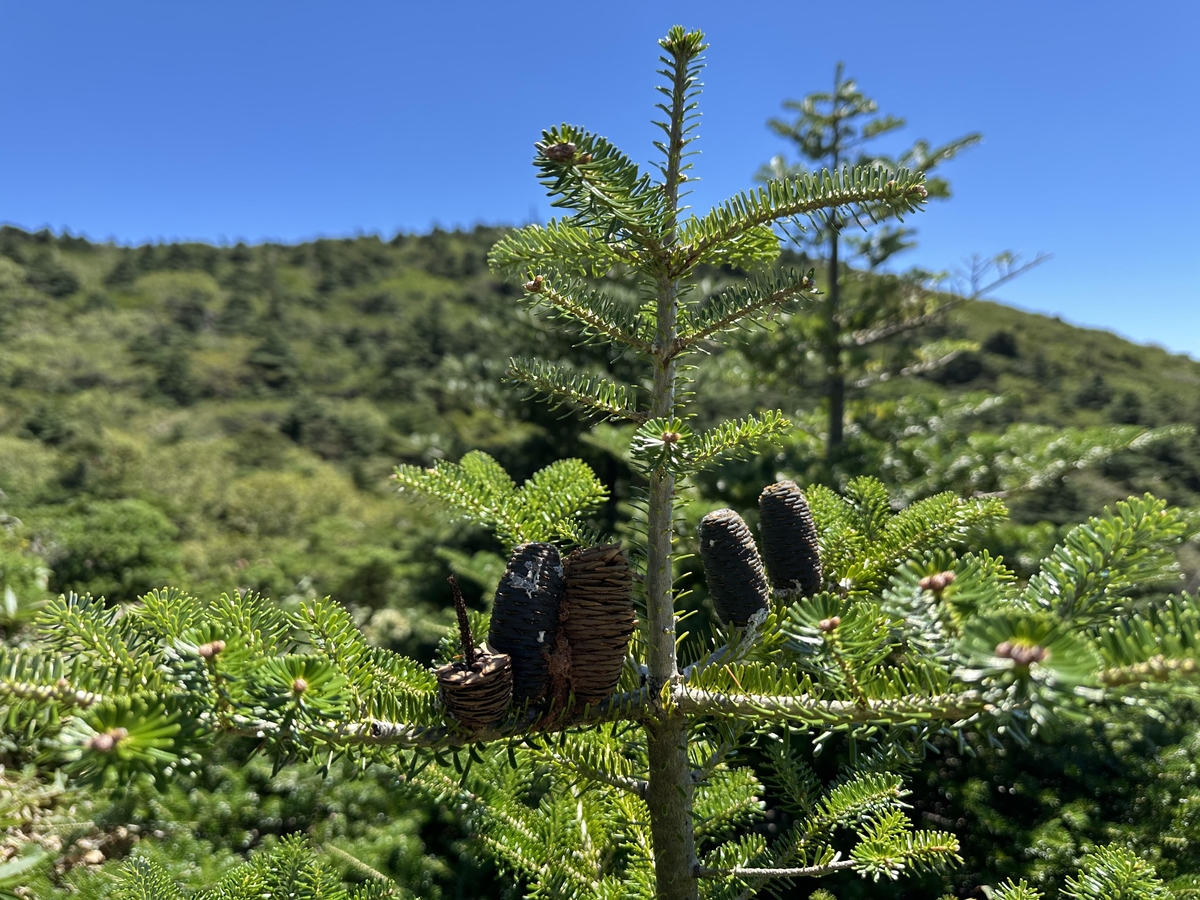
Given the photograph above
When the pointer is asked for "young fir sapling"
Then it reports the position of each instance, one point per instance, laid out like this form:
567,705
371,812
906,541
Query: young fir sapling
648,792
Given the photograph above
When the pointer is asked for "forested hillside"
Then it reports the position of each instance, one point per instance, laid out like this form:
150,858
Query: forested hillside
227,418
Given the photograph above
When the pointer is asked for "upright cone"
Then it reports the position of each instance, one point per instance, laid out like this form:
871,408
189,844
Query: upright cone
525,617
477,693
477,690
597,619
789,540
732,567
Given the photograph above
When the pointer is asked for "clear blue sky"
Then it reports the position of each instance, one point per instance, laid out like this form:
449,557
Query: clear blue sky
250,120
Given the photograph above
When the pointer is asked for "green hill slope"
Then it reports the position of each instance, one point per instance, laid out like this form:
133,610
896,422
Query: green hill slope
226,417
1085,375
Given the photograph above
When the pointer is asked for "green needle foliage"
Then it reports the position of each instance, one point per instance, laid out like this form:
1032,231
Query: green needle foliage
654,792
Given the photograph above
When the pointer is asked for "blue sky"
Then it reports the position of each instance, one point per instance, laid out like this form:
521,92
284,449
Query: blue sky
252,120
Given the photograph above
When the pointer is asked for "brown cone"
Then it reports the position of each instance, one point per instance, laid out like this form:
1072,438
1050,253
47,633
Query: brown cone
597,619
477,695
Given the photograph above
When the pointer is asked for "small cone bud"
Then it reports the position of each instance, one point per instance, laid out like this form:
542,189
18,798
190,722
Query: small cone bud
789,537
937,583
732,568
525,616
107,740
559,152
1022,654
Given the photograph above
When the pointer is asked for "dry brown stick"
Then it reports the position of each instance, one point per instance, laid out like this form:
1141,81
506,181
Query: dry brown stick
464,626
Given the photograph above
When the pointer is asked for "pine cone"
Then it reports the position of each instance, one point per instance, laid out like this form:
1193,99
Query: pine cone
525,617
477,695
597,619
789,540
732,567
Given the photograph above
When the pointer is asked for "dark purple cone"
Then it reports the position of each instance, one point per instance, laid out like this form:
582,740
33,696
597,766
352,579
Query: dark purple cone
732,567
525,617
789,540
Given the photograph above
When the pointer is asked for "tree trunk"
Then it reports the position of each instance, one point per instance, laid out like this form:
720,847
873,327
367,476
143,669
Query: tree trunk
670,800
669,793
835,377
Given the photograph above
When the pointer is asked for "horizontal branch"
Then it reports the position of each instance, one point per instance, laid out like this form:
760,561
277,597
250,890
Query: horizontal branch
830,713
593,394
920,368
626,707
636,786
595,312
869,336
1156,669
63,692
736,312
803,872
561,245
805,195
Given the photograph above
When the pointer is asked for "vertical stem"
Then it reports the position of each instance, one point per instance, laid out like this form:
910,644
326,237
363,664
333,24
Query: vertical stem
669,788
835,378
836,381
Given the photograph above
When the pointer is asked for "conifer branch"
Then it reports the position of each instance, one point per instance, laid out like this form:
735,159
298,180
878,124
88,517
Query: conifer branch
722,749
599,315
837,865
635,786
734,438
603,185
1156,669
730,309
868,337
591,393
61,692
629,706
859,189
670,445
477,487
931,357
559,246
832,714
754,248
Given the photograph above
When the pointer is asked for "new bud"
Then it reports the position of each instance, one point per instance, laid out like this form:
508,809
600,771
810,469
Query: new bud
559,152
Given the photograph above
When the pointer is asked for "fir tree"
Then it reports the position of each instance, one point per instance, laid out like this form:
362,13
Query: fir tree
856,316
890,635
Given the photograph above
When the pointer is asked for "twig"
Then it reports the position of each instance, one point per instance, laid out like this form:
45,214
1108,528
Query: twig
804,872
637,786
464,625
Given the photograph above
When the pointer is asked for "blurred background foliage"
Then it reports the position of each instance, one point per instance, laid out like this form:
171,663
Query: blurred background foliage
226,418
